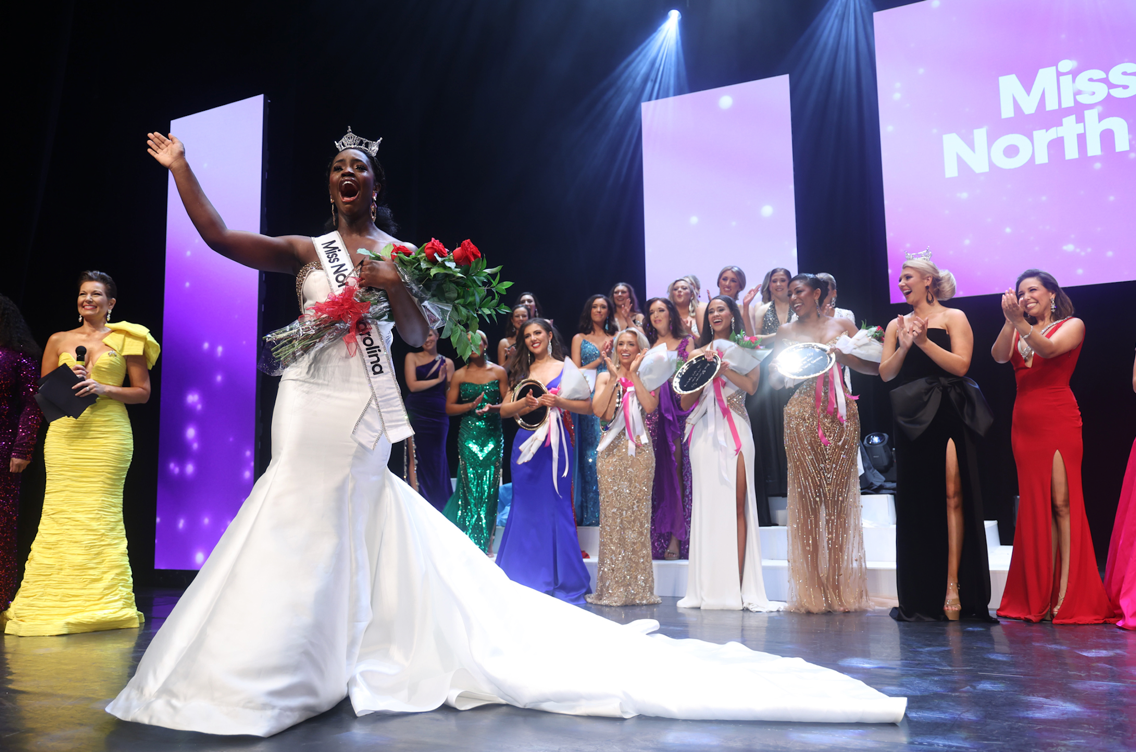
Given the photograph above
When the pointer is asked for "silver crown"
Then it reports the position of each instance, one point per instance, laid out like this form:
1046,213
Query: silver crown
924,255
351,141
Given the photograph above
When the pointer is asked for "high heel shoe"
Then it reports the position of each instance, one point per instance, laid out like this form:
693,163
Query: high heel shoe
952,607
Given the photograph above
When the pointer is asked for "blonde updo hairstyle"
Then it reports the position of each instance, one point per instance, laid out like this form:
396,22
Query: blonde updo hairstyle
942,281
640,338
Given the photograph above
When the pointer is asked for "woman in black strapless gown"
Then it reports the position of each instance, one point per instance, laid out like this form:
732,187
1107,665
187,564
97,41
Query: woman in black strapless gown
942,567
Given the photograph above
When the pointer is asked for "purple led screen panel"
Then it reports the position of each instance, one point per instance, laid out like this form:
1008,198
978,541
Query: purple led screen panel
1007,131
208,411
718,184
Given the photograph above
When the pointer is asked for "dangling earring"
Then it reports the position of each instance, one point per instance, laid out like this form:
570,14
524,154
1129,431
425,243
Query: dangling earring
930,300
108,316
374,210
1053,305
80,318
334,217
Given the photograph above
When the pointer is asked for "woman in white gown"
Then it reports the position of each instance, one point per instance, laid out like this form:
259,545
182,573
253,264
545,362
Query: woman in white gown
335,579
721,576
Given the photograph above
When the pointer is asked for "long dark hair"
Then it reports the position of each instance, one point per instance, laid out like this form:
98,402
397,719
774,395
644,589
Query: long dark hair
510,329
766,293
539,312
384,219
14,332
1060,299
815,283
630,294
586,316
677,330
522,359
706,336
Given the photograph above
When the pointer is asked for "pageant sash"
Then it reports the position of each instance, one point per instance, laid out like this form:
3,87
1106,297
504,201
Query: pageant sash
373,353
632,422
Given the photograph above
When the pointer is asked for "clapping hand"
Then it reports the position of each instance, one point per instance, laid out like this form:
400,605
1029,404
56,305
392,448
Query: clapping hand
611,368
1012,307
548,400
919,330
635,363
477,406
167,151
903,333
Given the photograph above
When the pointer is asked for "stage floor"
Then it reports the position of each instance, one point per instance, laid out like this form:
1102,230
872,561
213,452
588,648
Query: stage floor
1008,686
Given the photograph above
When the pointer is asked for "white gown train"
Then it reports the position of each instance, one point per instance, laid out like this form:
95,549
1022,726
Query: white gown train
335,579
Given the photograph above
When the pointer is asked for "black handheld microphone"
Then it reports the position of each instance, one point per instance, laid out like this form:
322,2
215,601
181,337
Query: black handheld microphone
80,354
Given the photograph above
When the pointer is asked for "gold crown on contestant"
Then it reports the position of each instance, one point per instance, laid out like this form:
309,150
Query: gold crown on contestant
924,255
351,141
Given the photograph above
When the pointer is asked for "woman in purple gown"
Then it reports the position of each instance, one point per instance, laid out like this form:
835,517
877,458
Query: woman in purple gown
540,548
19,427
671,497
428,377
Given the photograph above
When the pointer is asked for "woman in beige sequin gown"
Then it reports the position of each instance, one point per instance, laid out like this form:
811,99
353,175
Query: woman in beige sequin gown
625,463
827,567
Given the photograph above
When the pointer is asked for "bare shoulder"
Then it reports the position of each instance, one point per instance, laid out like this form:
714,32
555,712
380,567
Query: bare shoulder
955,317
498,371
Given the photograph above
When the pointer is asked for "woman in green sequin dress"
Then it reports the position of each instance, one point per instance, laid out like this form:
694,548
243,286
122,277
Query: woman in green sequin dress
476,393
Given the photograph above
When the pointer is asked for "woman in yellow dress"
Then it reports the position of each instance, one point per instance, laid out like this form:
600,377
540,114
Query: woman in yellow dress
78,577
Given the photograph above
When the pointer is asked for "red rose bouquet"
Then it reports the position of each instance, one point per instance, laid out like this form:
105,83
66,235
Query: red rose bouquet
455,291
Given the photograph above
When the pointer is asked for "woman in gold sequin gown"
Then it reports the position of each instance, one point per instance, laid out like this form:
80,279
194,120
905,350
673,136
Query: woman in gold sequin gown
625,464
827,567
78,576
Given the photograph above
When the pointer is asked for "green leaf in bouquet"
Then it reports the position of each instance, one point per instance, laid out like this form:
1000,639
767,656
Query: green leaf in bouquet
494,270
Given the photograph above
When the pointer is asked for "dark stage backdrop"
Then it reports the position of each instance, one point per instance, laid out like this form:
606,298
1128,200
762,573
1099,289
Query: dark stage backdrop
482,105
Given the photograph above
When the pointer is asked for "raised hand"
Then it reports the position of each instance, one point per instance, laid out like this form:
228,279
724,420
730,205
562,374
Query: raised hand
1012,307
903,333
749,296
610,365
167,151
635,363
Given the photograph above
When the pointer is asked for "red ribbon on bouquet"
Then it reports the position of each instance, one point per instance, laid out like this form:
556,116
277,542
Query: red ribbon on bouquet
344,307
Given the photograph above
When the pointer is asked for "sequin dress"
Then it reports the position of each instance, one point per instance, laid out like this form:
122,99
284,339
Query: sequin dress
671,499
625,575
827,565
20,419
78,577
473,507
587,491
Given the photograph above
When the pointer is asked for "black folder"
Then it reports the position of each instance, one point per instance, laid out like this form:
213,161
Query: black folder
57,397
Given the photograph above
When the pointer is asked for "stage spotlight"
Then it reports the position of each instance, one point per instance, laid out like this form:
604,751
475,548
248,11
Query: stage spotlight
673,17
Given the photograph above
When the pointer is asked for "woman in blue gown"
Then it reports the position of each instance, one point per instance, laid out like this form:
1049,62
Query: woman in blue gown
540,548
593,338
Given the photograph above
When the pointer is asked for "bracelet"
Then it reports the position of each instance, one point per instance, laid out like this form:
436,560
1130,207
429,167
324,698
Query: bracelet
1027,334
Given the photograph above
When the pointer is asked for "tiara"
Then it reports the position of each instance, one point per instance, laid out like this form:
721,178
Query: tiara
351,141
924,255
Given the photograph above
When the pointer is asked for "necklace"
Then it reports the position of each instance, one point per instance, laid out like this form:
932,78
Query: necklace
1025,350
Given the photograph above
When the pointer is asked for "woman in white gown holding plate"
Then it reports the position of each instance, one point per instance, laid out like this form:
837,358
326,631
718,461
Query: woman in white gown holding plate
335,579
722,576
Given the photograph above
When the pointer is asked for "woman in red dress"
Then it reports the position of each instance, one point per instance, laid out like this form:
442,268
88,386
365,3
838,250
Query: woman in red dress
1120,574
1053,571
